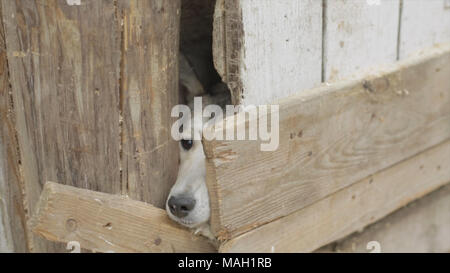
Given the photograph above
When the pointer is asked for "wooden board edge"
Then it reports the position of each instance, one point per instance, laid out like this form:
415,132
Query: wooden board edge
227,45
422,226
55,221
350,209
305,97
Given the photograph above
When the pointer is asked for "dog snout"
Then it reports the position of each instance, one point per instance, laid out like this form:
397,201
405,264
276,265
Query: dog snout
181,206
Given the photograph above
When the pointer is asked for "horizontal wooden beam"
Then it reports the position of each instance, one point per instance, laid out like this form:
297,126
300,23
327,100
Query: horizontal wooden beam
330,138
352,208
103,223
421,227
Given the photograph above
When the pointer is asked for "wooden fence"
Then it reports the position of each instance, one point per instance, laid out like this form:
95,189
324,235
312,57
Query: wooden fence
86,90
87,94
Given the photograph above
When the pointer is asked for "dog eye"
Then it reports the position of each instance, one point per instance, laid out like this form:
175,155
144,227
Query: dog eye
187,144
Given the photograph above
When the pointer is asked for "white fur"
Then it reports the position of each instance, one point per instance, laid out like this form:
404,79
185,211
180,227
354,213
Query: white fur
191,182
191,179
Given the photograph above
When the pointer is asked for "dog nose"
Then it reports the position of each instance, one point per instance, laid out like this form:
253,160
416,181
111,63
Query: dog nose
181,206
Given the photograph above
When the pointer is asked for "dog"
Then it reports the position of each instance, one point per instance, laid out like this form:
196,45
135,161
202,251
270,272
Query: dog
188,200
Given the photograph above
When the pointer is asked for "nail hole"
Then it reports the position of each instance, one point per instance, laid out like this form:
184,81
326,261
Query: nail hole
71,225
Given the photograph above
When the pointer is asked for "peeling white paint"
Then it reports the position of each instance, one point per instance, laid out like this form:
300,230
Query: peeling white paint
73,2
282,48
424,24
348,23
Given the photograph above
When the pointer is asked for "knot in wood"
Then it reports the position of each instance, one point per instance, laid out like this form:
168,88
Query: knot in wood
71,225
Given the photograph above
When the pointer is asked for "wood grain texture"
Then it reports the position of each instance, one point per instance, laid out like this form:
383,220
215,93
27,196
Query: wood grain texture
13,233
424,24
359,36
13,230
268,49
93,85
330,138
102,222
421,227
64,70
227,45
352,208
149,90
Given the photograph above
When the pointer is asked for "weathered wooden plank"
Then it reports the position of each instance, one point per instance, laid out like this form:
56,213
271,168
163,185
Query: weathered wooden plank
149,90
6,242
359,36
227,45
424,23
103,222
268,49
421,227
64,70
330,138
13,230
352,208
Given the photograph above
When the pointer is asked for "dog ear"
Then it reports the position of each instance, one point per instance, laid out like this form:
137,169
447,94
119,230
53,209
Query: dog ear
189,81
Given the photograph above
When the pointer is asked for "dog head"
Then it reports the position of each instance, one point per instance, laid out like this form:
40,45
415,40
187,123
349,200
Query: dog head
188,201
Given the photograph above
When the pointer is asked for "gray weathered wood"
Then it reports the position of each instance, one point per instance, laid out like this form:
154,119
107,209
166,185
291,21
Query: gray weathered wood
424,23
13,230
351,208
92,86
267,49
330,138
421,227
359,36
64,70
103,222
149,90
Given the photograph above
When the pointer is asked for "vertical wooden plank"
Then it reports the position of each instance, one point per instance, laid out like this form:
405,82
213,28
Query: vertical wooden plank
266,50
227,42
359,35
6,240
12,215
13,229
149,89
64,69
424,23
